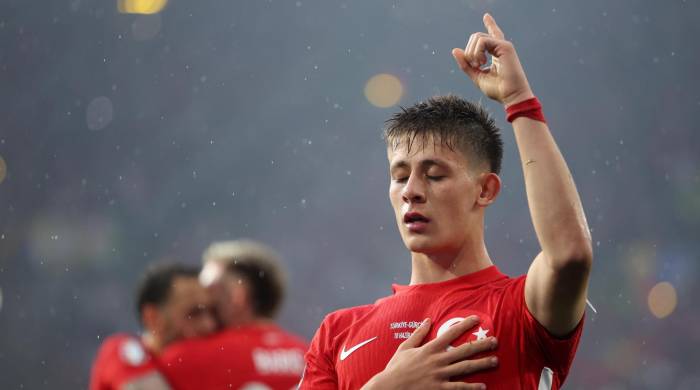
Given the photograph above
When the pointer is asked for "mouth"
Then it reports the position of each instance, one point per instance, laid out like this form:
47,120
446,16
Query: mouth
415,222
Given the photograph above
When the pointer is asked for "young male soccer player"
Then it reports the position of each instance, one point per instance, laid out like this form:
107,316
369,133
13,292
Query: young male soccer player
444,159
171,305
251,352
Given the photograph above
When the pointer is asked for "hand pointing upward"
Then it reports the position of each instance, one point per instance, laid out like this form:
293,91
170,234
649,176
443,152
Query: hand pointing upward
504,79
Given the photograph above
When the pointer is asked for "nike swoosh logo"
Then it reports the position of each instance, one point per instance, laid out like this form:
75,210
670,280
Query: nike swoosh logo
344,354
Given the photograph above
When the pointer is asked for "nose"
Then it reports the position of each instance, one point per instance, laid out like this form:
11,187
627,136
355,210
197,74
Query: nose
414,190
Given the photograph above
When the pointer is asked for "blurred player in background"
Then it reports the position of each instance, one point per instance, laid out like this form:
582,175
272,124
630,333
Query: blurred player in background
251,352
172,305
444,159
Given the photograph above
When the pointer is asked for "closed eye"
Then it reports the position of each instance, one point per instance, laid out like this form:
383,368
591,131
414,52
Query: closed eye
401,179
435,178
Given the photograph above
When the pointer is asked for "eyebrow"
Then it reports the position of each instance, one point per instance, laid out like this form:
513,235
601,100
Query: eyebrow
423,163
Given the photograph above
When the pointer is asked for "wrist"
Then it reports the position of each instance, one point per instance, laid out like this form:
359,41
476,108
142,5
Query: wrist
529,108
518,97
379,382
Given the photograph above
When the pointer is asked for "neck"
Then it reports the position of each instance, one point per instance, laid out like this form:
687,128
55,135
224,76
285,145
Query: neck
152,342
449,264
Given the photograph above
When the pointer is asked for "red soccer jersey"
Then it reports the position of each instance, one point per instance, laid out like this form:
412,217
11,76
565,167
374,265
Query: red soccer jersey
122,358
251,357
352,345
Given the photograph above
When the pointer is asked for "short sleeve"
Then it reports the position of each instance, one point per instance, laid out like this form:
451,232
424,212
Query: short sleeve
99,367
557,352
120,360
319,371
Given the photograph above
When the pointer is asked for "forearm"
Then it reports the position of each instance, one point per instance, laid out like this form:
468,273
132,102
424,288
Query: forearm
555,206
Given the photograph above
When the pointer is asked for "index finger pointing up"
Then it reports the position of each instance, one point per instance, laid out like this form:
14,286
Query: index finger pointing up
492,27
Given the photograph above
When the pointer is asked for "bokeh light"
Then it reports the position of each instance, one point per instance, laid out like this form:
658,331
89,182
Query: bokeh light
60,240
662,299
640,261
144,7
99,113
0,299
383,90
3,170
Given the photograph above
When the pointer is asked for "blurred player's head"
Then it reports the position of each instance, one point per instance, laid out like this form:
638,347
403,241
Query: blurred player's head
444,159
246,280
172,305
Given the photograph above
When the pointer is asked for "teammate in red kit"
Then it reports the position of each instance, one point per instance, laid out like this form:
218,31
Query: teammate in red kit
444,159
251,352
171,305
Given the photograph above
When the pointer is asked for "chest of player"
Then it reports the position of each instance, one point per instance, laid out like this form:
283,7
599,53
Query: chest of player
365,347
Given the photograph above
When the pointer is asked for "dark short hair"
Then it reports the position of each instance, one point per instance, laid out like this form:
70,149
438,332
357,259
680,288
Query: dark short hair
259,266
452,121
156,284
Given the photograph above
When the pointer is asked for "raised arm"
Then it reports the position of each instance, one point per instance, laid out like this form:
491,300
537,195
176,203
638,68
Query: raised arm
555,288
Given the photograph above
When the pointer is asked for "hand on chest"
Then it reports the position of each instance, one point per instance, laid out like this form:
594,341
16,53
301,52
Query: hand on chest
374,339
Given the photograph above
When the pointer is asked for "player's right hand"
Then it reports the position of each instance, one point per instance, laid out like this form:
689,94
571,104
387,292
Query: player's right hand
431,366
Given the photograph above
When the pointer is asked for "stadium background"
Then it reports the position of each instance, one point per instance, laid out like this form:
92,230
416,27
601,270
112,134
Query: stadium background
127,139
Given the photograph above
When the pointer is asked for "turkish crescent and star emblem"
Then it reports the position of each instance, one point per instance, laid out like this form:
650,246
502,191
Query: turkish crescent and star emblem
481,331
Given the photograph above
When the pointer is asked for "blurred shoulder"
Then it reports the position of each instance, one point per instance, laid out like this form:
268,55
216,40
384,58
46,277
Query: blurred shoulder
122,343
117,339
190,346
126,349
289,337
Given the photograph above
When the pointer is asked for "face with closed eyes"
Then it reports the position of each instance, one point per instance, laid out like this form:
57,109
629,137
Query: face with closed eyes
186,313
437,197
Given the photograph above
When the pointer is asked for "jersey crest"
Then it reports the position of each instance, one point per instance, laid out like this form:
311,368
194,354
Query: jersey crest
132,353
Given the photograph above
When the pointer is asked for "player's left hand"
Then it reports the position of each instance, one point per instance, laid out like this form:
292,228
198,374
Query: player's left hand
504,79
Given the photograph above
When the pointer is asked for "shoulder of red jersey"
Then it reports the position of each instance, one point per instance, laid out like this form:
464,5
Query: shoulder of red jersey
197,348
192,348
346,316
504,281
290,338
266,335
122,358
114,340
127,348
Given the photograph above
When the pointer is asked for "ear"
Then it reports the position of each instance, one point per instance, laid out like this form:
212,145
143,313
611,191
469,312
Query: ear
240,293
490,188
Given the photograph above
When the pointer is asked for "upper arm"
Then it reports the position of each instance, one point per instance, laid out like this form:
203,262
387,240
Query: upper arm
101,364
96,375
556,296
